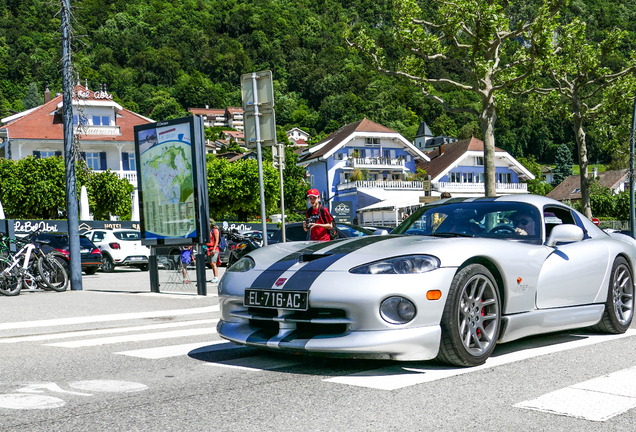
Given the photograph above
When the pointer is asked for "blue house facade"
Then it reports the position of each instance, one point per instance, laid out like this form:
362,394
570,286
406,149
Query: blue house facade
363,163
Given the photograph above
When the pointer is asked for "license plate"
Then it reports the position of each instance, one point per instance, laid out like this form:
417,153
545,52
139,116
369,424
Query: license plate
274,299
84,251
136,258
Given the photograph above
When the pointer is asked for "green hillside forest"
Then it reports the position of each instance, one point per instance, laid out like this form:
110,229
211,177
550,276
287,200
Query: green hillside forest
161,57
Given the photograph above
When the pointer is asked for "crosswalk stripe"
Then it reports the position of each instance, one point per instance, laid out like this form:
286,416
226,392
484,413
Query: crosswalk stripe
76,334
256,363
399,376
134,338
105,318
598,399
178,350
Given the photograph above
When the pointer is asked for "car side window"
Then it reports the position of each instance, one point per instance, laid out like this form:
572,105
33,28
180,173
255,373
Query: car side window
98,236
296,233
554,216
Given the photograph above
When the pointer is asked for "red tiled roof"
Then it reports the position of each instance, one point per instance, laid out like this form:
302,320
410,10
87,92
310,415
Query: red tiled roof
207,111
444,156
344,132
566,189
46,123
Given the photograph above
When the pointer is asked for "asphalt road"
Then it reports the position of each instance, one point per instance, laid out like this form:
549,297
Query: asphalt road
115,357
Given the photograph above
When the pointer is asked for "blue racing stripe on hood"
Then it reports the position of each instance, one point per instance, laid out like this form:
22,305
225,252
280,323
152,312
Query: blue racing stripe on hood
305,277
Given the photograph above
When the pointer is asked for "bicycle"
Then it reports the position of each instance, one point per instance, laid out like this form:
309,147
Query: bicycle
19,270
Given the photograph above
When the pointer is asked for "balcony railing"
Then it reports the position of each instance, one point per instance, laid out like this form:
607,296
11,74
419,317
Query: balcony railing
131,176
389,184
479,187
375,162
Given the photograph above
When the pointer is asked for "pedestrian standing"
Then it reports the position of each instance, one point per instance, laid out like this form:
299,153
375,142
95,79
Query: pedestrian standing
214,250
319,221
186,259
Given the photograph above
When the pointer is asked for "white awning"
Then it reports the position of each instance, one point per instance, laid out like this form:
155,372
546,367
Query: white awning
405,199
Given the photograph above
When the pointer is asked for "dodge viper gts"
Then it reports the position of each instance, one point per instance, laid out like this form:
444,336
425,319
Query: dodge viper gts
453,280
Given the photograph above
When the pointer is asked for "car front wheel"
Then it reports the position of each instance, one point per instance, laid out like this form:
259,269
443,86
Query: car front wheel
107,265
471,319
619,306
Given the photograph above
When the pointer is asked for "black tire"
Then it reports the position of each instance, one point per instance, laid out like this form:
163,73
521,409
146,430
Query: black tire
53,273
10,284
107,264
471,319
619,306
91,270
143,267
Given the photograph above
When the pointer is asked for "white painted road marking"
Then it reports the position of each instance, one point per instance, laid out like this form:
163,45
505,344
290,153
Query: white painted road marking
134,338
598,399
178,350
109,386
396,377
76,334
29,401
105,318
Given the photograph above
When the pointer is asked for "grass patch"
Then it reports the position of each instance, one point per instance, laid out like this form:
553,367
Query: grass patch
576,170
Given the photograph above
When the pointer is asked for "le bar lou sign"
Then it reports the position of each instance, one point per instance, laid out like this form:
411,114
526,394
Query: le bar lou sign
343,211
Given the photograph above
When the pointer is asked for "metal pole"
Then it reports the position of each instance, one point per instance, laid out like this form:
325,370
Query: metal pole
631,174
75,264
281,158
259,157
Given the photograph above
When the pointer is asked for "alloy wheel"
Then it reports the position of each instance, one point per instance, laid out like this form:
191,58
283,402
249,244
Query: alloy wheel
623,294
478,315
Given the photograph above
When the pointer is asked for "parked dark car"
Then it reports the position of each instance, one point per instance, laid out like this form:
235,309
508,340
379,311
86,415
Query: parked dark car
296,232
91,255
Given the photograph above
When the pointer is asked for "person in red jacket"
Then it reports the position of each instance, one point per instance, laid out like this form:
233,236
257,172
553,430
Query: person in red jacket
319,220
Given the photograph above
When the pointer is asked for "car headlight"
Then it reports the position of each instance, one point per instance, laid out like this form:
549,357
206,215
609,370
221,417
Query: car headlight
397,310
244,264
410,264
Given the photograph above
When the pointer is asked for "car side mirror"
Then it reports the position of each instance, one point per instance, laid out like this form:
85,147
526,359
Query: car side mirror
564,234
380,232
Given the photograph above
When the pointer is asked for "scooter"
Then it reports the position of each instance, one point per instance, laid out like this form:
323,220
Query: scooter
244,245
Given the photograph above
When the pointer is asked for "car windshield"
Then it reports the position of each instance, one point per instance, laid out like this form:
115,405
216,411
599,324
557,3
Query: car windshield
127,235
353,231
491,219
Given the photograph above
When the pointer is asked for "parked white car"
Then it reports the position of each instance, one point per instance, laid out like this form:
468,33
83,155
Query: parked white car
120,247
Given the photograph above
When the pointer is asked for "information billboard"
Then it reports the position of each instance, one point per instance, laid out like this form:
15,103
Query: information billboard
172,182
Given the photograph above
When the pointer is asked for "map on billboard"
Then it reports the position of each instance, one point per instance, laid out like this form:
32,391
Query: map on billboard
168,181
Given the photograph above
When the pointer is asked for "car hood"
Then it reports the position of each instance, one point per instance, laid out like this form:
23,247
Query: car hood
342,255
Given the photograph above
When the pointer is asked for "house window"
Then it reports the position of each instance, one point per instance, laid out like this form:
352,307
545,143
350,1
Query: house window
504,178
339,156
92,160
479,161
311,181
131,162
77,120
408,158
468,177
395,177
393,154
45,154
372,141
479,178
105,121
455,177
362,153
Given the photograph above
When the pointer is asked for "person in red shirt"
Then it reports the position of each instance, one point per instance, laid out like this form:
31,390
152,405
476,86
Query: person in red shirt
318,221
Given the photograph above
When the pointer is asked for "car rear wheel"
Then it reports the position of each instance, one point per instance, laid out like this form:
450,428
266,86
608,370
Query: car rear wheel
90,270
143,267
471,319
619,306
107,264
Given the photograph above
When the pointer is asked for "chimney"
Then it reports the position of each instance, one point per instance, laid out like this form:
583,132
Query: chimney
47,95
441,149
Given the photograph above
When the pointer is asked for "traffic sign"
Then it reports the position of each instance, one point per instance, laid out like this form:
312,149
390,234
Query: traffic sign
596,221
264,91
267,119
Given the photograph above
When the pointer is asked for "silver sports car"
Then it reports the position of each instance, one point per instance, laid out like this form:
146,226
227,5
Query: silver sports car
454,279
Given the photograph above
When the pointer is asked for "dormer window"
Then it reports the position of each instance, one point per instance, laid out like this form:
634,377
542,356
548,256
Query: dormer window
76,120
479,160
372,141
101,121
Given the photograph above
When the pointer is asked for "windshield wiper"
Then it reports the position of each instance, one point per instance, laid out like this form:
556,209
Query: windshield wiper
451,234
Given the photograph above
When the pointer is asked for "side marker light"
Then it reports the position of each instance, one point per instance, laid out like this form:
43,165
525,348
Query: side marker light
434,295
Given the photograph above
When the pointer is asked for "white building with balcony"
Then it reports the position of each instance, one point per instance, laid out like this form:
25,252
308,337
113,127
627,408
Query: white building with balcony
363,163
105,129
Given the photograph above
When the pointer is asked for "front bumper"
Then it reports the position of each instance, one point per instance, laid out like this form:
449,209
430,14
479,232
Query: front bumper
418,343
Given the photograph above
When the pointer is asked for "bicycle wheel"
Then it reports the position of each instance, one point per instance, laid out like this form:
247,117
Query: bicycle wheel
10,283
53,273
